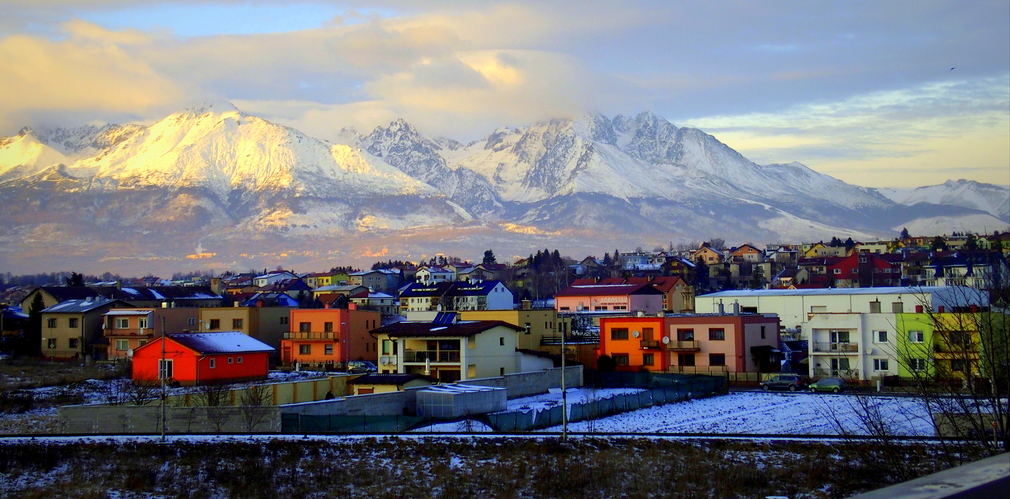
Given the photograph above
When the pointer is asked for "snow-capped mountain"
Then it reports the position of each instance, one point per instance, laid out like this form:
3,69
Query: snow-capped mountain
214,178
990,198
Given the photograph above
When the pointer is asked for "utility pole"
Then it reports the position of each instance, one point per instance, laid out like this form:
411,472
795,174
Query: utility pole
162,371
564,393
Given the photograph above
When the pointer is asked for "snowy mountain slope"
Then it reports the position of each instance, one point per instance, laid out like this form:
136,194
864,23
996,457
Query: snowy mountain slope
24,154
994,199
400,145
86,140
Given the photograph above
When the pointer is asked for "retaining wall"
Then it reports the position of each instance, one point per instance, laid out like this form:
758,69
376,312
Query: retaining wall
127,419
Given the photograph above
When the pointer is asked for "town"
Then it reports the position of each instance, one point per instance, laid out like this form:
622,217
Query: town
462,346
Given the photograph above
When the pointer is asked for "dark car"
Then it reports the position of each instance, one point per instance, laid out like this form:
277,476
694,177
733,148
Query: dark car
361,367
833,385
791,382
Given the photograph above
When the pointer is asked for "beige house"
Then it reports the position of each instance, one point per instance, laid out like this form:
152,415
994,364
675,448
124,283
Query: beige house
449,351
267,324
73,329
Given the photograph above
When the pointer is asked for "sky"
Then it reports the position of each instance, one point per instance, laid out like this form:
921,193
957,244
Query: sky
875,93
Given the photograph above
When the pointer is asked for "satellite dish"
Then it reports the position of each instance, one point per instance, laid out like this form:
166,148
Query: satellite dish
129,353
383,360
635,334
666,340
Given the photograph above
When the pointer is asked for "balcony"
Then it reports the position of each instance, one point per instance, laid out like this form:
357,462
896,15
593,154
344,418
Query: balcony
684,346
647,344
310,335
135,332
717,370
836,347
451,356
820,372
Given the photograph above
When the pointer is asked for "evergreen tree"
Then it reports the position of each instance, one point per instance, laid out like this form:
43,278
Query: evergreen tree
938,244
489,258
75,280
904,233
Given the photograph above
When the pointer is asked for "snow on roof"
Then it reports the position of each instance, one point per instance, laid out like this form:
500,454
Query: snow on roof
77,306
825,291
231,342
461,388
128,312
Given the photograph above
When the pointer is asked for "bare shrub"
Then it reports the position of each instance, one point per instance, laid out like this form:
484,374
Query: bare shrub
255,404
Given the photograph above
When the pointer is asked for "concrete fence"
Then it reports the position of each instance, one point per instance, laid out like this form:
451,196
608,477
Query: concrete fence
127,419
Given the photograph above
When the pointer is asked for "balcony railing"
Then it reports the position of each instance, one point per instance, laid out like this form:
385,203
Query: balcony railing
836,347
432,355
649,344
683,345
820,372
310,335
571,339
698,369
132,332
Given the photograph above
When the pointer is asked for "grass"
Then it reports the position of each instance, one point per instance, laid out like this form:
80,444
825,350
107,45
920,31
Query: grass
445,468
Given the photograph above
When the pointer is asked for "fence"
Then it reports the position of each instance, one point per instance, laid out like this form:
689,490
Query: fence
660,389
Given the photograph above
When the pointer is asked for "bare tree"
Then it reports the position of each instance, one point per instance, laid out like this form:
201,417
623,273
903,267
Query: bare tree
960,371
255,405
143,391
216,400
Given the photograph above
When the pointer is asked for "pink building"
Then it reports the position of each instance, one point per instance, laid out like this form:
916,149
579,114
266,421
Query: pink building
610,298
692,343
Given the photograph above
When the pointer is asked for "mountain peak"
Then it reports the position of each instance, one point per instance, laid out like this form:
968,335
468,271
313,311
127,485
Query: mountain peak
218,106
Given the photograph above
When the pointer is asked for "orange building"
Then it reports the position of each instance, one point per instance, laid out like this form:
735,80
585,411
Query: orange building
692,343
329,337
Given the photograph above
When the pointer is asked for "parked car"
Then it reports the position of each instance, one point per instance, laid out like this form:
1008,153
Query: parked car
791,382
361,367
833,385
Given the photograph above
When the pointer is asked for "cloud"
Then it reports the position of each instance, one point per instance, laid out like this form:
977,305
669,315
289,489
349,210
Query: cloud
88,72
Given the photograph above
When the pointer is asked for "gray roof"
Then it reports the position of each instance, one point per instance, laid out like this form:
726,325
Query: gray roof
824,291
81,306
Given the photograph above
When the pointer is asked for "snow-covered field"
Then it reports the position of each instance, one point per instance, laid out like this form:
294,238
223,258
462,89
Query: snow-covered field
737,413
769,413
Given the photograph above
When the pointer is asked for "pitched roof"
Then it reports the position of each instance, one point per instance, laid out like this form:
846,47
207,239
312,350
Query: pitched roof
81,306
126,293
231,342
390,379
431,329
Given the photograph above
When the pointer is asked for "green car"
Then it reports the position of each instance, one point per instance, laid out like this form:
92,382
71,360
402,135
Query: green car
833,385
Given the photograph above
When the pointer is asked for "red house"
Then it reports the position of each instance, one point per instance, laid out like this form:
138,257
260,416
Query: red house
203,358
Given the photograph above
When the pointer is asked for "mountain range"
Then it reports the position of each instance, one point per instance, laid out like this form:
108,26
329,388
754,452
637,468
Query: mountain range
220,188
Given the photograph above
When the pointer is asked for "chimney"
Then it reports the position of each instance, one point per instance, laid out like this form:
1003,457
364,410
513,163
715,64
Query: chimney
259,303
722,309
527,304
352,306
736,308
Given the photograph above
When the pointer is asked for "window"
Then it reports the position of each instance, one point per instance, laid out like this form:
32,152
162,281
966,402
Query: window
215,324
51,343
528,327
73,322
284,321
685,359
304,349
917,364
387,347
621,359
874,307
501,341
501,371
880,364
898,307
327,349
619,333
213,363
191,321
231,360
958,365
304,327
685,335
916,337
165,369
717,359
122,323
73,342
855,271
599,308
648,359
717,334
648,333
239,360
142,323
880,336
763,333
818,309
328,327
836,271
236,323
839,336
961,339
122,344
141,342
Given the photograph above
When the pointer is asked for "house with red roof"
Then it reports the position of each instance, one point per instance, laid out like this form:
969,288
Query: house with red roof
202,358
